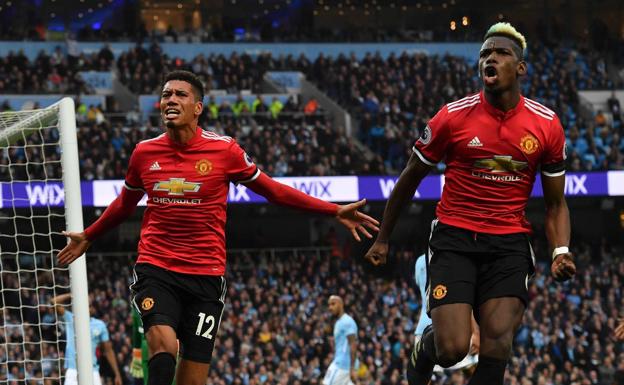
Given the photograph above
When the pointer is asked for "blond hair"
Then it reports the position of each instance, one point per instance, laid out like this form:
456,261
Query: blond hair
507,30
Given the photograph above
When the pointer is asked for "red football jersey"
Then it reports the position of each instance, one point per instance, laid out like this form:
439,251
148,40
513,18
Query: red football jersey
491,160
187,186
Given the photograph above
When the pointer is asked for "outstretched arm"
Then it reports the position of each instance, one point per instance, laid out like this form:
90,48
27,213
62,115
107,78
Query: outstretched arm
402,193
557,224
281,194
119,210
348,215
58,302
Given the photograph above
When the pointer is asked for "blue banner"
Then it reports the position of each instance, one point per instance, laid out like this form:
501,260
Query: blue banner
335,189
379,187
579,184
101,82
40,194
286,79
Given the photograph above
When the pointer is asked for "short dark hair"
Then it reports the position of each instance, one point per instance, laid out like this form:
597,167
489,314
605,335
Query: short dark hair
189,77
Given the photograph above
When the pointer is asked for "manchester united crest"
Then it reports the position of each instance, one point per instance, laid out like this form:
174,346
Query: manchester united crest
147,303
529,144
439,292
203,166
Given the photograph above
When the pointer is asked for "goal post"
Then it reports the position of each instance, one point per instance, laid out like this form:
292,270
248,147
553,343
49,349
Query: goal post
73,220
38,159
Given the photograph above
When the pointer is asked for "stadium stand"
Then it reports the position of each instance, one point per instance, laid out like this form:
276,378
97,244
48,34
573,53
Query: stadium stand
394,98
293,143
391,94
56,73
142,70
276,326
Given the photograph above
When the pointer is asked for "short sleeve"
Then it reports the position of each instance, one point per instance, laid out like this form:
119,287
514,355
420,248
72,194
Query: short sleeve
104,333
420,270
432,144
350,327
241,169
553,159
133,175
68,317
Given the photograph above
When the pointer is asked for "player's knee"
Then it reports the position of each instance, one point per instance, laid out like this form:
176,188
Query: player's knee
497,338
163,346
499,348
497,342
451,351
162,340
448,358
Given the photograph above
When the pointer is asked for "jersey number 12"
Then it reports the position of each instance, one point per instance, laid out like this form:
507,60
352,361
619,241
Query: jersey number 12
210,320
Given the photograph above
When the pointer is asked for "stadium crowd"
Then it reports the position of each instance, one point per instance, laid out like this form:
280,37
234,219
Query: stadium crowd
395,97
142,70
276,326
392,98
289,143
55,73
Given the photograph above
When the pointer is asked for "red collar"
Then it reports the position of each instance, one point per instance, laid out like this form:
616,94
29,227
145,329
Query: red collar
499,114
193,140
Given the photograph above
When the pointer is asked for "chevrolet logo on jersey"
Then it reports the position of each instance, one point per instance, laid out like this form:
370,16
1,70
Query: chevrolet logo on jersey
177,186
501,163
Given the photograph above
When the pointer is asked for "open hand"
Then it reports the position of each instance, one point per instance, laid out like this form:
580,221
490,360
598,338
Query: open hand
356,221
563,267
78,244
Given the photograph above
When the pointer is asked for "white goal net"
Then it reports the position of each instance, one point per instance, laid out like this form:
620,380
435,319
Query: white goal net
32,215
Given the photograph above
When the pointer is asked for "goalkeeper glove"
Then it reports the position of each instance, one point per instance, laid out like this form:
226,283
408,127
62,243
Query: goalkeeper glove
136,366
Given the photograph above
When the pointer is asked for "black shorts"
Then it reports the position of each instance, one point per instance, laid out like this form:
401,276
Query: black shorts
191,304
468,267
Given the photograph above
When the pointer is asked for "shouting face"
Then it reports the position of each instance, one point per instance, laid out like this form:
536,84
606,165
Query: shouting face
500,64
179,106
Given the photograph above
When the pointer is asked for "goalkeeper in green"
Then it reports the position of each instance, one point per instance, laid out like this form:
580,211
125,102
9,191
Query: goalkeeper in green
140,354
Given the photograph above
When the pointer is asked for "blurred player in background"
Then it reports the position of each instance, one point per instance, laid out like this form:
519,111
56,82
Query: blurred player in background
480,258
179,285
343,368
99,338
420,276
